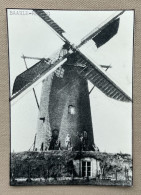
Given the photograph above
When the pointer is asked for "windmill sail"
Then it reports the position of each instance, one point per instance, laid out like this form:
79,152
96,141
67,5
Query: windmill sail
91,72
29,77
52,24
104,32
107,33
49,21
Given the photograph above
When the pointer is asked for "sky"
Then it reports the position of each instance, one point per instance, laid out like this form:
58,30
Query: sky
31,36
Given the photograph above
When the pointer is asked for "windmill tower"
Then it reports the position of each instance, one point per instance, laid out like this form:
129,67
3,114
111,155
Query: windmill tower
64,115
65,106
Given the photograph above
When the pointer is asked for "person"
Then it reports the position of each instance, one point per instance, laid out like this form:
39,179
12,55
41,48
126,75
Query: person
53,140
96,149
81,141
68,141
42,147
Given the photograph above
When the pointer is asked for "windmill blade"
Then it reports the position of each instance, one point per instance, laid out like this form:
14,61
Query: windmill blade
104,32
24,58
99,79
51,23
31,77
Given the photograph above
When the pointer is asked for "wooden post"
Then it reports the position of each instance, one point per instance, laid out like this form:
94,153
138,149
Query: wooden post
116,174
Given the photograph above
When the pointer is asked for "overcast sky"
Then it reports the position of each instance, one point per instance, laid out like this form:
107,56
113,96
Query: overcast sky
31,36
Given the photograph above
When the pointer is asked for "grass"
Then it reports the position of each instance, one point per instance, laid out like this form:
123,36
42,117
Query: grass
74,182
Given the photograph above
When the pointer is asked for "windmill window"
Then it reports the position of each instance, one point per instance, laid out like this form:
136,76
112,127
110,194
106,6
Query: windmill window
86,168
59,72
71,110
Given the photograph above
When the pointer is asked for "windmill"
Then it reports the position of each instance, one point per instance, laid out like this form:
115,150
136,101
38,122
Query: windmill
64,110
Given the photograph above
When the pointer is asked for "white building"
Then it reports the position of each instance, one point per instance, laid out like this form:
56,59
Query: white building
87,167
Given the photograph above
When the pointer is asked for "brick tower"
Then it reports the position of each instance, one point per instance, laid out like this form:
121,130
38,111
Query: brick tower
65,107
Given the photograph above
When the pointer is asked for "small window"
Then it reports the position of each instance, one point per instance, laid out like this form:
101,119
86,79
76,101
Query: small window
59,72
86,169
71,110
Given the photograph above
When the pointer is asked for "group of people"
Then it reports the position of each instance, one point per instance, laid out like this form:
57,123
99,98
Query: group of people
55,142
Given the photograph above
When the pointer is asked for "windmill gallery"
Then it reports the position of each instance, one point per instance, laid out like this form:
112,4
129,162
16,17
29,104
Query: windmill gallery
64,143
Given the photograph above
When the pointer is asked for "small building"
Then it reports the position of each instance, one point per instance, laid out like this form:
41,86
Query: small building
87,167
